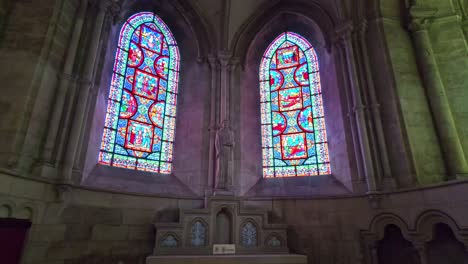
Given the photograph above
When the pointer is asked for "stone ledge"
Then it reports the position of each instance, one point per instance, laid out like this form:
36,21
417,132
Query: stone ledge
229,259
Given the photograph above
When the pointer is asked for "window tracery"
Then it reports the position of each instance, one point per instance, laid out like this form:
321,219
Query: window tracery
294,139
139,128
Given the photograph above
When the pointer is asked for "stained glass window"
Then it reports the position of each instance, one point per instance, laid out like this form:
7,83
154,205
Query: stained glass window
294,138
249,235
139,127
198,234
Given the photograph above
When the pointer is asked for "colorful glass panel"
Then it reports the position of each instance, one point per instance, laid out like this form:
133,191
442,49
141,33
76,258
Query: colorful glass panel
249,235
294,137
139,128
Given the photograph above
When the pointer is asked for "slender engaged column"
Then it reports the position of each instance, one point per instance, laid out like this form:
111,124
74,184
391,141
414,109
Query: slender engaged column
338,50
375,109
50,149
224,106
79,113
358,108
454,156
214,66
422,251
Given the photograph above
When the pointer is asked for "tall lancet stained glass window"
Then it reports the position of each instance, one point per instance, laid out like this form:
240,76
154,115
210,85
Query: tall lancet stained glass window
139,127
294,138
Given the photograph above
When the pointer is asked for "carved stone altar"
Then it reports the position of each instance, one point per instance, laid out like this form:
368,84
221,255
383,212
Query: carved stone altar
224,221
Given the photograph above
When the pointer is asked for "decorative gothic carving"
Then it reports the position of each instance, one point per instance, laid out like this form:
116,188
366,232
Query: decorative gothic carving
249,234
222,221
169,241
198,234
273,241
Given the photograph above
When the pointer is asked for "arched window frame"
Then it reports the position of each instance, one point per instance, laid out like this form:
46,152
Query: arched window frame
161,128
315,158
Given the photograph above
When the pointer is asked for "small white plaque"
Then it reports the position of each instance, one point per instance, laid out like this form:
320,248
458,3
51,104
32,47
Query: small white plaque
224,249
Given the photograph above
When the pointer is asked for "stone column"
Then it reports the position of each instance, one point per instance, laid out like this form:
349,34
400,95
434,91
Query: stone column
374,109
340,60
345,36
86,80
422,251
67,79
224,106
224,177
454,156
214,66
5,8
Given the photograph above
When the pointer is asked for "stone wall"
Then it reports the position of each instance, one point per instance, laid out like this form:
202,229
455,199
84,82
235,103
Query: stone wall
76,225
107,217
418,123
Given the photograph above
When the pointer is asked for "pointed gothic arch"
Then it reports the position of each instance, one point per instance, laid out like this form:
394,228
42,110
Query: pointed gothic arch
139,128
294,137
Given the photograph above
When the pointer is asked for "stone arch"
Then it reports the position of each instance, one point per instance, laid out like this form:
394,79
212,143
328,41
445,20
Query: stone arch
267,12
170,239
5,210
224,220
274,240
427,221
252,226
192,18
190,232
25,212
381,221
249,44
190,33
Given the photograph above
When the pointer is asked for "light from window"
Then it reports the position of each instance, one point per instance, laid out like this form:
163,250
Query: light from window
139,127
294,138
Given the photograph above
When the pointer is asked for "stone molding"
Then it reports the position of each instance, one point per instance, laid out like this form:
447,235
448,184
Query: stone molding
239,217
418,233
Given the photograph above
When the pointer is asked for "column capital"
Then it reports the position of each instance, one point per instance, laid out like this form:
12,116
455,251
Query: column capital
110,7
421,17
343,32
213,62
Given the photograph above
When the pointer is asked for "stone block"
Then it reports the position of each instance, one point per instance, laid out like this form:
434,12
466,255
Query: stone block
137,216
144,232
109,233
27,188
47,233
62,251
73,215
78,232
5,183
35,252
109,216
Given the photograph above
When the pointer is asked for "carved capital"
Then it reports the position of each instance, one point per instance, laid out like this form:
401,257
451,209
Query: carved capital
224,58
421,18
64,192
375,201
343,33
108,7
213,62
362,27
234,62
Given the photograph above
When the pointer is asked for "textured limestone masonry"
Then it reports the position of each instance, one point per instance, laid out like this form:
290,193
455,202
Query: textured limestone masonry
53,103
238,259
104,226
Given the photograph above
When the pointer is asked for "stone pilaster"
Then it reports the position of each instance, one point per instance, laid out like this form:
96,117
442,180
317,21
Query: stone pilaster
380,150
54,141
86,84
214,119
345,43
454,156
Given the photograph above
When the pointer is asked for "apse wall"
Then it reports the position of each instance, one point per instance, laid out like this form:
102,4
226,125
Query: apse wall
83,213
248,101
190,147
